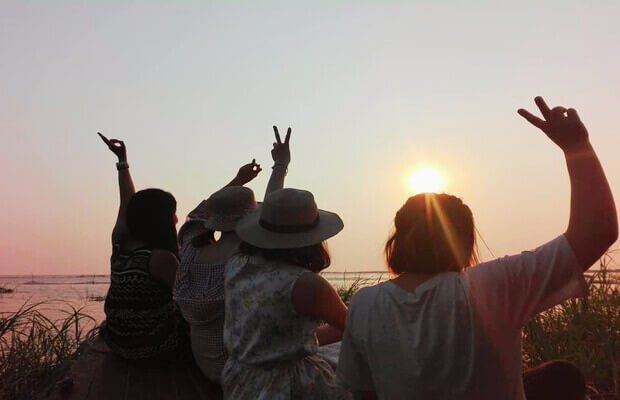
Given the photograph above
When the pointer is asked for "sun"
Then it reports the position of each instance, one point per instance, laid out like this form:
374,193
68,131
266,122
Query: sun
425,180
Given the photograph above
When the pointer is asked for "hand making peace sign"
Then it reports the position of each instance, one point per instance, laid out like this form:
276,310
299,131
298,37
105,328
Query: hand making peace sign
281,153
561,125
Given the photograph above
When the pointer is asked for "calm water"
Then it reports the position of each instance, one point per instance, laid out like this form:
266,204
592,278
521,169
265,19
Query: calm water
88,292
85,292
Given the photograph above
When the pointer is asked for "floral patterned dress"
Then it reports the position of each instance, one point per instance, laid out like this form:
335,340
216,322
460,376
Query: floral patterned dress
272,350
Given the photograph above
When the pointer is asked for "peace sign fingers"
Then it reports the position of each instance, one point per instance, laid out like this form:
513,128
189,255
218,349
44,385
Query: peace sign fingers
288,135
560,124
543,107
532,119
281,153
278,140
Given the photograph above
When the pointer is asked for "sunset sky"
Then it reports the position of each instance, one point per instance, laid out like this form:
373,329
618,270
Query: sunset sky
371,89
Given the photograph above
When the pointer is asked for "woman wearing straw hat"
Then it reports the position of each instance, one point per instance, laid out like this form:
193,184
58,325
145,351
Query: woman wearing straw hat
199,287
442,330
275,299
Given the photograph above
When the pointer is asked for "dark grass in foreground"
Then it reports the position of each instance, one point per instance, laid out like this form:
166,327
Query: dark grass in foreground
35,351
583,331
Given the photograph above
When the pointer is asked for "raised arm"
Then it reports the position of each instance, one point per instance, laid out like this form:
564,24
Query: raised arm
125,185
593,223
314,297
281,155
245,174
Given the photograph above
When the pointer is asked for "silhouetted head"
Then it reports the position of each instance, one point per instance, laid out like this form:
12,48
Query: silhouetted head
314,258
433,233
151,217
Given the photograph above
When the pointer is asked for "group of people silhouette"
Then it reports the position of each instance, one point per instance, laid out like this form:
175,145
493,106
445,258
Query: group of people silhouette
239,289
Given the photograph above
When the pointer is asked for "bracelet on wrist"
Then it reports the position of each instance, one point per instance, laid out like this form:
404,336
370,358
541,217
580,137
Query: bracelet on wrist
122,165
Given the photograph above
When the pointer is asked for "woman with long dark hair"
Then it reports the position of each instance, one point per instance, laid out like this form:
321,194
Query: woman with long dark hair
442,330
140,320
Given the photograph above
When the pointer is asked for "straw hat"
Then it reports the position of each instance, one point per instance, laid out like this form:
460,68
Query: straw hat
224,208
288,218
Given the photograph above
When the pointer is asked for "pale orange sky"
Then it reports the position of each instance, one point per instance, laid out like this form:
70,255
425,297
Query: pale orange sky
371,90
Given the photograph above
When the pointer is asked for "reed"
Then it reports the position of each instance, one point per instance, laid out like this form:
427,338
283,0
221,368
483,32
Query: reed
347,292
585,332
36,351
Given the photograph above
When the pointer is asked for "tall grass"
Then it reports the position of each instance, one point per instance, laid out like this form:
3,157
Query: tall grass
585,332
36,351
347,292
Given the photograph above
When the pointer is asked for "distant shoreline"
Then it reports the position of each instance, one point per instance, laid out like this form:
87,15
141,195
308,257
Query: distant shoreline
351,273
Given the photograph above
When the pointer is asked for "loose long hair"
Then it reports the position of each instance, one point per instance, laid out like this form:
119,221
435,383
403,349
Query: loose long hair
433,233
150,218
314,258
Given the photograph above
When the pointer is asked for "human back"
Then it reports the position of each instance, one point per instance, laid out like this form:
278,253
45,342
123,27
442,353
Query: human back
272,287
454,331
199,285
428,342
419,333
140,319
262,325
141,322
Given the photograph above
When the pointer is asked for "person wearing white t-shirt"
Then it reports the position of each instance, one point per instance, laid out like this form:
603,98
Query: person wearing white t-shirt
442,330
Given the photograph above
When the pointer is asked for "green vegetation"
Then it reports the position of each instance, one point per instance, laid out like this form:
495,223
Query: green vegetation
35,351
585,332
347,292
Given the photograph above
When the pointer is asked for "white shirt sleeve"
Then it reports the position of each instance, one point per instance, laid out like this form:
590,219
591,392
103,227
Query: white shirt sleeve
353,370
514,288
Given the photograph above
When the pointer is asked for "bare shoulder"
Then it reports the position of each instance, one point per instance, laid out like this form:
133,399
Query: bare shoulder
163,258
163,265
309,283
308,292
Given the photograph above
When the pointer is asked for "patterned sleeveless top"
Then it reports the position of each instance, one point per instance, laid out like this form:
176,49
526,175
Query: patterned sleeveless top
140,316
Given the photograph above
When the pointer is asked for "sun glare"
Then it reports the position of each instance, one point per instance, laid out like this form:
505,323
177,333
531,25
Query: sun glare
425,180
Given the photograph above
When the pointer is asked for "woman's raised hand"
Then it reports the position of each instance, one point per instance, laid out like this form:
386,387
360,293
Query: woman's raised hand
116,146
248,172
561,125
281,153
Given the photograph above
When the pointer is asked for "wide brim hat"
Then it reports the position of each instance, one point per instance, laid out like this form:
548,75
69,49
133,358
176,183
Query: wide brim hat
224,208
288,218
